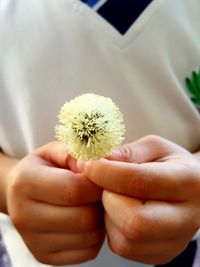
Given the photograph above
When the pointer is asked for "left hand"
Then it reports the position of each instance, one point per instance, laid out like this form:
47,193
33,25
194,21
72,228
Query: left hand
151,198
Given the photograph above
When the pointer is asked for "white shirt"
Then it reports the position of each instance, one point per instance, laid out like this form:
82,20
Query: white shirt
52,51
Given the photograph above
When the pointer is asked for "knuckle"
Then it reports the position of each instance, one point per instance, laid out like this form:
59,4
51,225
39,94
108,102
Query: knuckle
133,228
119,246
154,139
18,182
53,259
21,221
20,177
157,142
127,152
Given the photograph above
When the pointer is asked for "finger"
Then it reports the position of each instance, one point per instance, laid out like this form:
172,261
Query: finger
58,186
147,149
150,221
70,256
153,180
159,252
47,218
54,153
55,242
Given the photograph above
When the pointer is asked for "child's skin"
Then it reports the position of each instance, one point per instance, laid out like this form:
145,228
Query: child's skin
57,212
150,196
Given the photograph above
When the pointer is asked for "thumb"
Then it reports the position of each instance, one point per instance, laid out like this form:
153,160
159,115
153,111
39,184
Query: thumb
147,149
55,153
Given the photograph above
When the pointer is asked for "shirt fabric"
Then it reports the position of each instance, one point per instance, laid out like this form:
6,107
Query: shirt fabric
4,258
196,262
52,51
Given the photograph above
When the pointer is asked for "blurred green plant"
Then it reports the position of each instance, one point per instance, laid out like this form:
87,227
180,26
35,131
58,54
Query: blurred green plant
193,86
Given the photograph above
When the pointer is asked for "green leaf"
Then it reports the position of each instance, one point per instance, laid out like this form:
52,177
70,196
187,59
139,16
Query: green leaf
190,88
194,81
199,71
195,101
193,86
198,78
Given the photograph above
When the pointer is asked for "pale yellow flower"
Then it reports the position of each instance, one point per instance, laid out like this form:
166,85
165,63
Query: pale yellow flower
90,126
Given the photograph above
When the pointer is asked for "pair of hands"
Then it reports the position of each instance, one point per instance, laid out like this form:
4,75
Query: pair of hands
150,195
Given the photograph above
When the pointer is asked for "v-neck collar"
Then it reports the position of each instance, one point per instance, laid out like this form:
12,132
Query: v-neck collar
120,14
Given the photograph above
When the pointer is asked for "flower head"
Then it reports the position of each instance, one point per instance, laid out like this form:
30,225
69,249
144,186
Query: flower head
90,126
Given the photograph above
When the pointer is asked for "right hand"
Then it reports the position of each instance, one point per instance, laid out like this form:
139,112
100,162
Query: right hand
56,210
